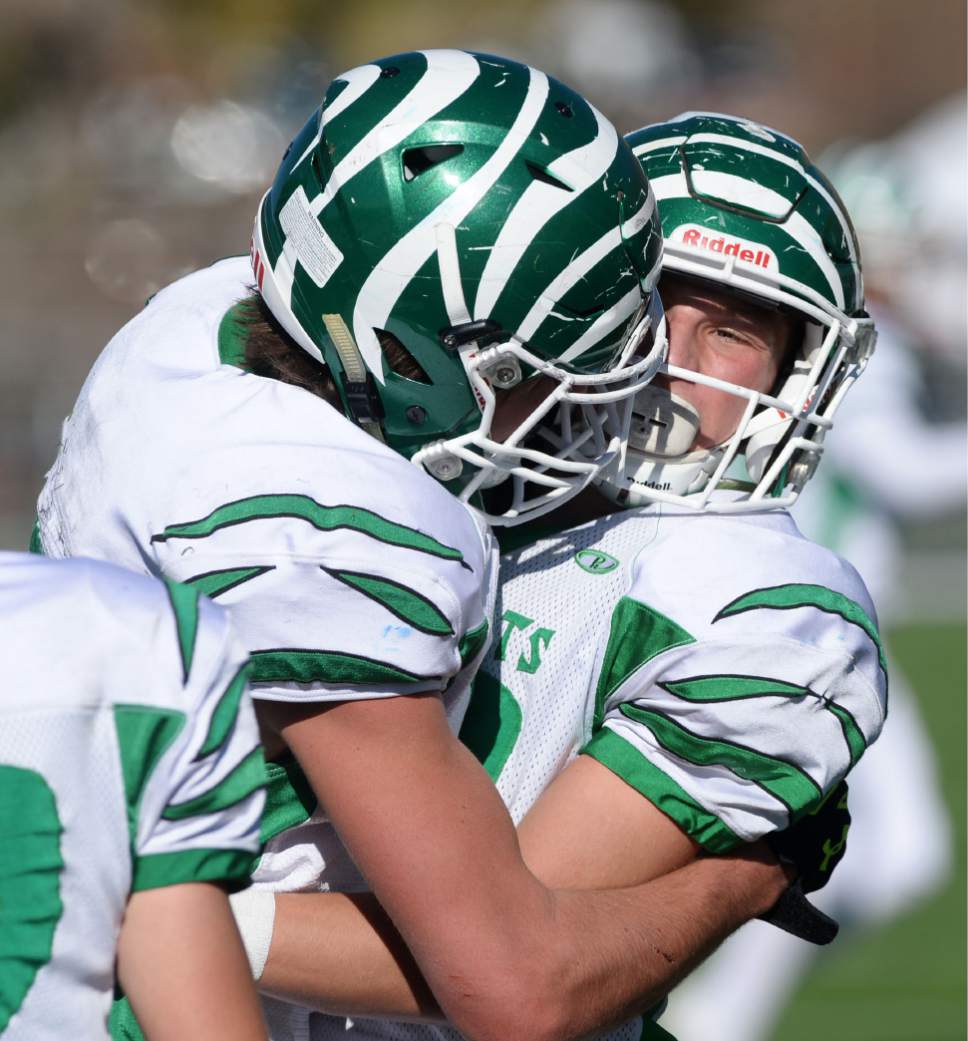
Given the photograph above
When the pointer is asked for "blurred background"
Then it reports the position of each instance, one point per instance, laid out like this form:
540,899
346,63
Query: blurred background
137,136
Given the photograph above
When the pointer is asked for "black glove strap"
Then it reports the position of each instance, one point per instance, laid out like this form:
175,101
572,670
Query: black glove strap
793,913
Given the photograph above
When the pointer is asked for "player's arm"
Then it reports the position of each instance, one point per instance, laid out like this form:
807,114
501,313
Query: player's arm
505,956
340,953
182,966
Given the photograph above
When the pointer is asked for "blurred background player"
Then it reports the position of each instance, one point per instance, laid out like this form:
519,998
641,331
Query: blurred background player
887,463
131,791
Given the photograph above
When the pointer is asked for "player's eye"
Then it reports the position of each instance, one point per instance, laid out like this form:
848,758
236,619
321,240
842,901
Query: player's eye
725,332
731,336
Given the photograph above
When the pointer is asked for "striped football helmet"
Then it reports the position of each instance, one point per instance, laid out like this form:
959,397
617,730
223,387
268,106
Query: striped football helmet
483,222
743,206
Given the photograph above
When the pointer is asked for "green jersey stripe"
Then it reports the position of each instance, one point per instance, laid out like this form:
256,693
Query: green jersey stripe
184,605
248,776
144,735
492,724
635,769
290,799
407,604
709,689
215,583
31,865
226,712
311,666
231,867
638,634
36,544
323,518
471,643
853,734
794,595
784,781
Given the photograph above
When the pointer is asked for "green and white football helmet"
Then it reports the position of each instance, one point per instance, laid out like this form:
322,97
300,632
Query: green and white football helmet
743,206
484,222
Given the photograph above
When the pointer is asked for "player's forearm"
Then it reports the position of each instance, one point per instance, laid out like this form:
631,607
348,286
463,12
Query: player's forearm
502,953
183,969
610,955
339,953
658,933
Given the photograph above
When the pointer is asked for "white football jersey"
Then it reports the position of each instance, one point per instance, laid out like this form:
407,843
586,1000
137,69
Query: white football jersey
129,760
724,666
348,572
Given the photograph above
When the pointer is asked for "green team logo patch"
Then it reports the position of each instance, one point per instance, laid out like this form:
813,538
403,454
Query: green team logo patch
595,562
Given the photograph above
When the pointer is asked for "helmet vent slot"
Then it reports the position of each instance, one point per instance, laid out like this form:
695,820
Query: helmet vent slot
399,359
539,173
418,160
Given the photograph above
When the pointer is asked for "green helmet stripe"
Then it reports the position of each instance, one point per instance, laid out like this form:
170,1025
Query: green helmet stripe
780,157
757,196
762,157
448,76
605,323
579,169
580,265
358,81
383,287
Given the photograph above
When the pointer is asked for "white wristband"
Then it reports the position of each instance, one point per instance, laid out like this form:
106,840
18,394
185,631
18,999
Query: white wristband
255,915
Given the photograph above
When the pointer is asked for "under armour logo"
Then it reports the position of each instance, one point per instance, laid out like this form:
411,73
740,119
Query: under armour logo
832,849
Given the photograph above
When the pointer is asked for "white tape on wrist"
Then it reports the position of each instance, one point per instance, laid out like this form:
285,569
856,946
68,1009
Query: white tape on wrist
255,915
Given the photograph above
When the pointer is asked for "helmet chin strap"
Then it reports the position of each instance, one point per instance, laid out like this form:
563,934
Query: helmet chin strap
356,378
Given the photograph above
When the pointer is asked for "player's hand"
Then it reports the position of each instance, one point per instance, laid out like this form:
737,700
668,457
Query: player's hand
812,848
816,844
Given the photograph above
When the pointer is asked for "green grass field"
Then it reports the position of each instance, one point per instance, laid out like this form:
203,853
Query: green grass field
905,982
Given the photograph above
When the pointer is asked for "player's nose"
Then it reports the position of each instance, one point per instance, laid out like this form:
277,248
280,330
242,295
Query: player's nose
682,331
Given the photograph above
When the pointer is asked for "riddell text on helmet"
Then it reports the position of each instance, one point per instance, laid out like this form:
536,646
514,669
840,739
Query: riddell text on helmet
729,247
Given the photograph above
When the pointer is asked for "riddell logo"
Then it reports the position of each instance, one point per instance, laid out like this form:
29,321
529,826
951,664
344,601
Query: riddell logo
748,252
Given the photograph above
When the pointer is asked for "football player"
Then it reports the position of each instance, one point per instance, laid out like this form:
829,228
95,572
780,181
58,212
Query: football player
131,789
888,463
455,246
691,675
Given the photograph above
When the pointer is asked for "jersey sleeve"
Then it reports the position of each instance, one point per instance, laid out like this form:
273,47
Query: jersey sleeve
335,602
194,773
738,727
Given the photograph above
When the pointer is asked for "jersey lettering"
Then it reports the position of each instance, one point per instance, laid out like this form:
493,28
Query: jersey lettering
539,640
510,621
530,659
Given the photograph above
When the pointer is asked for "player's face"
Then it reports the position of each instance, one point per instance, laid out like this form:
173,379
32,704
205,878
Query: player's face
719,334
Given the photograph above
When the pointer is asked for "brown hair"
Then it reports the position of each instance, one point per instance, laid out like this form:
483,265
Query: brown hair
270,351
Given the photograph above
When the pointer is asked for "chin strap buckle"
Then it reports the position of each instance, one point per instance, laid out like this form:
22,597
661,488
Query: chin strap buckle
365,407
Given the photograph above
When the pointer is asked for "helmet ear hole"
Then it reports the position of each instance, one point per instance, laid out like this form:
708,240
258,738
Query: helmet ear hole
400,360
